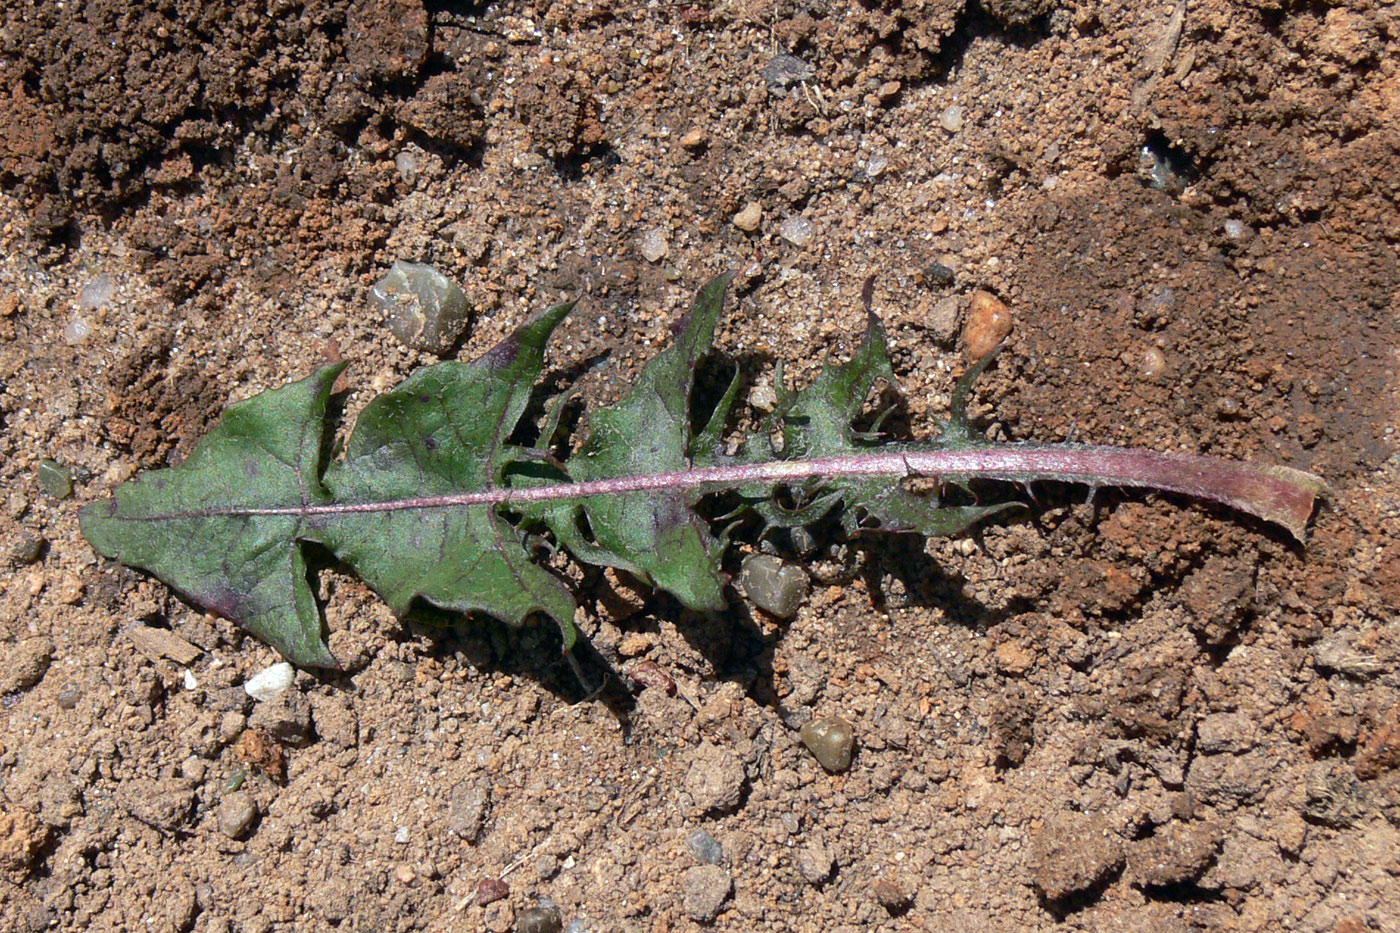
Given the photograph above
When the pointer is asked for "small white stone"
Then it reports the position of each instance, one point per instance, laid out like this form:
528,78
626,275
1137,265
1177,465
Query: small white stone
1236,230
952,118
266,684
77,330
796,230
654,245
190,682
875,166
750,217
401,837
408,165
97,293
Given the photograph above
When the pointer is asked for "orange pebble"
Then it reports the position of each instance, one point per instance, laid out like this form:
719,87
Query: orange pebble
988,324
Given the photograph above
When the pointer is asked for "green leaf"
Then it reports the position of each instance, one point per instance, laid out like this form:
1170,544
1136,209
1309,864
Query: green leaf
656,536
432,503
266,452
818,423
442,431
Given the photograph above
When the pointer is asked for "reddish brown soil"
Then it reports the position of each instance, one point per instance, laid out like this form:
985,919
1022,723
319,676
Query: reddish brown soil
1141,714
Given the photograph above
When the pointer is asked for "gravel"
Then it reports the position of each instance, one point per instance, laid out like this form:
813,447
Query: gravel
704,889
466,811
270,681
706,848
815,863
774,586
831,740
423,308
539,920
237,814
25,664
749,218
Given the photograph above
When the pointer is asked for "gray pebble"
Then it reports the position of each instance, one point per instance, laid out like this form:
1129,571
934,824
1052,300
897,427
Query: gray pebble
56,478
25,664
706,848
27,550
814,863
705,888
69,696
466,812
538,920
424,309
786,70
774,586
831,740
942,319
939,274
237,814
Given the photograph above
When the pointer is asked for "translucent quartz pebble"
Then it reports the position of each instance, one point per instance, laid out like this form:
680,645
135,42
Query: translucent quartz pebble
424,309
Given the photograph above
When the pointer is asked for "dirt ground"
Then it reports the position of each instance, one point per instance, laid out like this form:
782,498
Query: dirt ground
1136,714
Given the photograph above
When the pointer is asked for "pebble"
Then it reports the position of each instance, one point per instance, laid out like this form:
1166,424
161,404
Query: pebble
1237,229
97,293
796,230
28,549
654,245
77,330
490,890
539,920
269,682
786,70
988,324
1153,363
237,814
763,397
815,863
706,848
69,696
407,164
891,895
951,119
466,809
56,478
939,274
831,740
776,587
749,218
942,320
694,139
424,309
648,673
705,888
25,664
